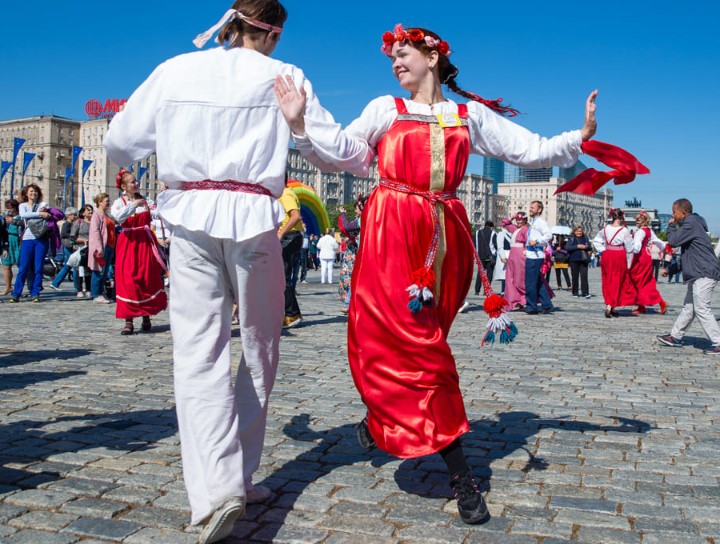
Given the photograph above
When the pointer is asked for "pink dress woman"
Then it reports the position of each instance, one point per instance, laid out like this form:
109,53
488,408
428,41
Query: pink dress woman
515,271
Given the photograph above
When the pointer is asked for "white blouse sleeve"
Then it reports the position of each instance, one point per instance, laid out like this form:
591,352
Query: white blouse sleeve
131,135
657,241
627,240
599,241
493,135
330,147
121,212
26,212
638,240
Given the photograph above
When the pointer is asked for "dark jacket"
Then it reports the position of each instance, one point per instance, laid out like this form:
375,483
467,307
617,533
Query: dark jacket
486,244
575,253
3,235
698,257
67,240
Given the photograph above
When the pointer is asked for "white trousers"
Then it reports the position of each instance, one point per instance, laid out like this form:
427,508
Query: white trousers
222,427
326,270
697,304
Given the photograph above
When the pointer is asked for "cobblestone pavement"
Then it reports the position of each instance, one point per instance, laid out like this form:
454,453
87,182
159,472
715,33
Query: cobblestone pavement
583,430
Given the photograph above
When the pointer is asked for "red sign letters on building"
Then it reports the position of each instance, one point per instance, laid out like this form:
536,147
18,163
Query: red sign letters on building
95,109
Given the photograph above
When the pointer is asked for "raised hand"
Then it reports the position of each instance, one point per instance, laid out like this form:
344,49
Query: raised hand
292,103
590,127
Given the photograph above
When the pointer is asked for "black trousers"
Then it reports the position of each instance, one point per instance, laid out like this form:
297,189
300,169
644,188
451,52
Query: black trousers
489,267
656,268
303,263
291,246
559,272
579,269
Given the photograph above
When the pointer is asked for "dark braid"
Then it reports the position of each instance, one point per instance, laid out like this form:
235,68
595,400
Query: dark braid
448,73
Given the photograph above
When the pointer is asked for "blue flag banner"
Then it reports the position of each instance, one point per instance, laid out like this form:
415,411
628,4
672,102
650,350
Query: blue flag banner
76,153
130,168
141,172
5,167
85,167
27,159
68,173
17,144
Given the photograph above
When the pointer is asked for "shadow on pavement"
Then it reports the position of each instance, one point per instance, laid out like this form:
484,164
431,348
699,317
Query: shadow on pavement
20,380
489,439
11,358
32,442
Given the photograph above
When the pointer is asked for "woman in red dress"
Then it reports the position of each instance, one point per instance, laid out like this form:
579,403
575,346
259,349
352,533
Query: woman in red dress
615,243
644,286
138,266
416,233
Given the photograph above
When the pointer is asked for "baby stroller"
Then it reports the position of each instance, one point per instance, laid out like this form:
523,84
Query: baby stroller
52,266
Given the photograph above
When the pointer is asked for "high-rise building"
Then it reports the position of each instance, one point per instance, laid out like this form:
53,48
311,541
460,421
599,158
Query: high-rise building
494,169
569,173
535,174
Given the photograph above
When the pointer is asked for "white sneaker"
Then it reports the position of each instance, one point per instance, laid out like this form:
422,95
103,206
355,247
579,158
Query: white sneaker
258,493
464,307
222,521
54,287
101,300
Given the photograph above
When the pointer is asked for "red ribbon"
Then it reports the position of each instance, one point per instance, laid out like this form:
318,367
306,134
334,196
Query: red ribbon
625,167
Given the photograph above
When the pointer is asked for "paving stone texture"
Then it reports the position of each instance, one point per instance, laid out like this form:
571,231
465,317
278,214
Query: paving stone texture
585,429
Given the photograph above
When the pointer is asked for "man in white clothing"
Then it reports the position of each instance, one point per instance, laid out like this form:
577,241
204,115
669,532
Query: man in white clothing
221,143
539,236
327,247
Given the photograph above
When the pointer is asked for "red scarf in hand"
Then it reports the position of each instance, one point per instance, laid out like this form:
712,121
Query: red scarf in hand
625,167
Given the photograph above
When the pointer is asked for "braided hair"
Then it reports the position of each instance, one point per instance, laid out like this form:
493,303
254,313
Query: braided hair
448,72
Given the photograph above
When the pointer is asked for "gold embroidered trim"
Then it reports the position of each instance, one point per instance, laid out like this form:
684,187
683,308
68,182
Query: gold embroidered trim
437,184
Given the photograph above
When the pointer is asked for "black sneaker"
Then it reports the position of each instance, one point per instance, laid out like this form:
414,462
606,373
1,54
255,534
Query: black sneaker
671,341
364,437
470,502
14,300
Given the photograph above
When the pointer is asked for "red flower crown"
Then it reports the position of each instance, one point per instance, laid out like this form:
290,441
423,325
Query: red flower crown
118,178
400,35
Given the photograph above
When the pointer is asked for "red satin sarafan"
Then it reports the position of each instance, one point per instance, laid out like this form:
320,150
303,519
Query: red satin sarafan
138,274
400,361
643,290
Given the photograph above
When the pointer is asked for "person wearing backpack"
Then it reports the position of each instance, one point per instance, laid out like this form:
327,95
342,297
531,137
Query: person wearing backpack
35,243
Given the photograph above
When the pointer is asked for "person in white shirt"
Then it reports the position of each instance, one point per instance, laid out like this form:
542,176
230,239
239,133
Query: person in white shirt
615,243
538,237
221,144
327,248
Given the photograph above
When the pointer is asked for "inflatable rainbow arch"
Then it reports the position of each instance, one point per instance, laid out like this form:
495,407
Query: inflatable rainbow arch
313,211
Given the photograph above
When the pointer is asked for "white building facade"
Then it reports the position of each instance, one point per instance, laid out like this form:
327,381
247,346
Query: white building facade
568,209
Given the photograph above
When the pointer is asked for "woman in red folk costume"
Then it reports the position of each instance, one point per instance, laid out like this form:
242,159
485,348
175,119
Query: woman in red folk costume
643,284
416,232
615,243
138,265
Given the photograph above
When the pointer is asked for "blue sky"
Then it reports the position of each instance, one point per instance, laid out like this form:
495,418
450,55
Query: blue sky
656,64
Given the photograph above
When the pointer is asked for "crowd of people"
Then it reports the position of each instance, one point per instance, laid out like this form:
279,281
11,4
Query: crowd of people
111,253
408,262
